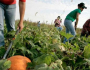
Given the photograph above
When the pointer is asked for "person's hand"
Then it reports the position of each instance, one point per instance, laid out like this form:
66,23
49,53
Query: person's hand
61,20
56,21
20,26
86,32
75,27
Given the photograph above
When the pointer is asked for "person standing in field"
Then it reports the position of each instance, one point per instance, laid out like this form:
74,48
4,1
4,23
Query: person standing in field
38,24
86,29
58,23
70,18
7,10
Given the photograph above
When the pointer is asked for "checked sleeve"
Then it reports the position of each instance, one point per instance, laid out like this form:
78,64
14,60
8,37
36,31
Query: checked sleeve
86,26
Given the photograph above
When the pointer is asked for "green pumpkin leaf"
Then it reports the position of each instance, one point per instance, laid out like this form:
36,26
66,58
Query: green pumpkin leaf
5,64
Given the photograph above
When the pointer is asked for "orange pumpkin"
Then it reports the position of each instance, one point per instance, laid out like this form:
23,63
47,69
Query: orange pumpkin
18,62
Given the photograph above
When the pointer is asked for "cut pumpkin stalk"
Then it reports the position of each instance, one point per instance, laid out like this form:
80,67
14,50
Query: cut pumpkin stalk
13,38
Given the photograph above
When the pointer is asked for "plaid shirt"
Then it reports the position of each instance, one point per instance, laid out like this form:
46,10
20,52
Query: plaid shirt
57,22
86,26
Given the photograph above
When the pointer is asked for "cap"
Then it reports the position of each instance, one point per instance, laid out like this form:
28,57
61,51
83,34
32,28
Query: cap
82,5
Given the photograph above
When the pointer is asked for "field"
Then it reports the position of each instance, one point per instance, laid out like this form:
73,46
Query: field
45,48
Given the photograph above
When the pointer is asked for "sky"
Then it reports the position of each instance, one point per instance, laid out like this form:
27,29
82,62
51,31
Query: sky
47,10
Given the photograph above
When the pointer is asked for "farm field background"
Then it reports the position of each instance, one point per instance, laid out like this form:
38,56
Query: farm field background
44,47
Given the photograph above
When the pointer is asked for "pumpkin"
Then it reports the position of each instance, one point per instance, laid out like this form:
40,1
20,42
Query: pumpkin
18,62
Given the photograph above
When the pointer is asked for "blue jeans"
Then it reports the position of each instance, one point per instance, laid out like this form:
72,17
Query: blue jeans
69,29
7,12
59,28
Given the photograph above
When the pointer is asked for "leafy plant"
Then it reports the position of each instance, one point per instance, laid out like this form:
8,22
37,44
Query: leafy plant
5,64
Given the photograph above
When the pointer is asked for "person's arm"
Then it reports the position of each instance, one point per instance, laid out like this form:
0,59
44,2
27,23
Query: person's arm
77,19
22,12
61,22
55,21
